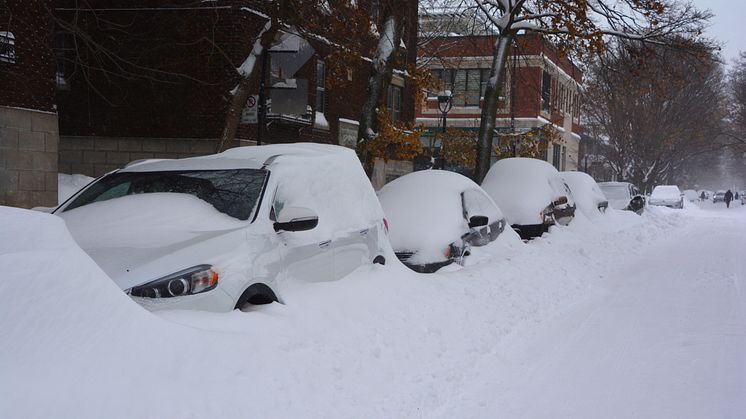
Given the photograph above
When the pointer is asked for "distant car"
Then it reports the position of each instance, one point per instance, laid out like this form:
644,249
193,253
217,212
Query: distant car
691,195
667,196
588,196
531,194
623,196
707,194
222,231
718,197
436,216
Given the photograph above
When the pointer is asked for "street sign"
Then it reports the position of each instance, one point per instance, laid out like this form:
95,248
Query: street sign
249,114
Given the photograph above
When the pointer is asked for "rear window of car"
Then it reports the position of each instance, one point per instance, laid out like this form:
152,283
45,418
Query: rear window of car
233,192
616,191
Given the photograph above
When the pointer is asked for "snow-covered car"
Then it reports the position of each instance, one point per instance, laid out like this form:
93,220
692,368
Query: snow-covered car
718,197
531,194
667,196
691,195
222,231
588,196
436,216
623,196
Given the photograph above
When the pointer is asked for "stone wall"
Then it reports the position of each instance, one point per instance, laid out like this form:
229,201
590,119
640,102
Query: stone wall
94,156
28,157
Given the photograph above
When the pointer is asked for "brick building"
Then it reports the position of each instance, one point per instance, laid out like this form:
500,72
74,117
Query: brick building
28,115
112,114
546,89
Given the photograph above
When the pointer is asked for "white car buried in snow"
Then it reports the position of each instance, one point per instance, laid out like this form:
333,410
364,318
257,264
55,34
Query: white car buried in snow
436,216
588,196
531,194
667,196
222,231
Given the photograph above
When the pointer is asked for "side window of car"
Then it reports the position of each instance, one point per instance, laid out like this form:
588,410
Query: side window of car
116,192
277,205
475,202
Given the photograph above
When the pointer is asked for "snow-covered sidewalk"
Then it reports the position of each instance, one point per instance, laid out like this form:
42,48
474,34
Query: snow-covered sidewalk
623,316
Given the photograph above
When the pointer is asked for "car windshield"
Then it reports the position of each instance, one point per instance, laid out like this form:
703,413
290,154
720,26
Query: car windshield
615,191
233,192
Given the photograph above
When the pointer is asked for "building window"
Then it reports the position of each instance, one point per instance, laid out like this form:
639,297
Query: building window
7,47
393,102
466,85
544,147
62,48
556,156
485,77
320,86
546,91
445,77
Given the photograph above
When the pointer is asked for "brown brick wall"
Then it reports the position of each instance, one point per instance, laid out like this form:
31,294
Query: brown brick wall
28,158
94,156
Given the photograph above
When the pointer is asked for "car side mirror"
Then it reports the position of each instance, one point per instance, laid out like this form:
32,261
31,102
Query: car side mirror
478,221
296,219
562,200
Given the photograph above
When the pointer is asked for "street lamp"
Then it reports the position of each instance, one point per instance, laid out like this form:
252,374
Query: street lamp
445,103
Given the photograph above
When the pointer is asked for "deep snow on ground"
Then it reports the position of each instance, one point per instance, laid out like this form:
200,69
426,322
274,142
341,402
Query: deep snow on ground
623,316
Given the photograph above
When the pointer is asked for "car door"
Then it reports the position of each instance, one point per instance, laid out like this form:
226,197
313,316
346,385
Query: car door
306,255
354,248
476,202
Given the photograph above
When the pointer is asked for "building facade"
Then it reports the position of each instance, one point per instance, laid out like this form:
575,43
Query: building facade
166,93
28,114
541,87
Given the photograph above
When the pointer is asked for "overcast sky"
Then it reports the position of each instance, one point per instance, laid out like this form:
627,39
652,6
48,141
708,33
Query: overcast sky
727,26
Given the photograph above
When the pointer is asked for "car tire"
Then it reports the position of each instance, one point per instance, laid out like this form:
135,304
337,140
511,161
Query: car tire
379,260
257,294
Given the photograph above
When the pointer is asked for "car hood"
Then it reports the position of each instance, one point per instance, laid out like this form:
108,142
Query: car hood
134,247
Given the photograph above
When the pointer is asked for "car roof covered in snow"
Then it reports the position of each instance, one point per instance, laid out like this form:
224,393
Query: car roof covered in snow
248,157
425,211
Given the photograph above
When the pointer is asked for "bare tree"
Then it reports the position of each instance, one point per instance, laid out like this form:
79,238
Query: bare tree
580,26
658,108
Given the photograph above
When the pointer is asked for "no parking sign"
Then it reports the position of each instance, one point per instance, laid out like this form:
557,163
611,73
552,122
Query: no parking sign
249,114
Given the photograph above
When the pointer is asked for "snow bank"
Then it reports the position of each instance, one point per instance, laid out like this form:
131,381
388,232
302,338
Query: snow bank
383,342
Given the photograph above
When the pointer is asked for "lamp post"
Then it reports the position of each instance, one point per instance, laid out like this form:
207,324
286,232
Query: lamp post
445,103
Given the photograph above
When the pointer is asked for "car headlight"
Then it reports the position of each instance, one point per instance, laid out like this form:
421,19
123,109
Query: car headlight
190,281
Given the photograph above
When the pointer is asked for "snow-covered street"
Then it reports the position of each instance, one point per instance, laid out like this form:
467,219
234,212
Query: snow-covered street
666,338
617,317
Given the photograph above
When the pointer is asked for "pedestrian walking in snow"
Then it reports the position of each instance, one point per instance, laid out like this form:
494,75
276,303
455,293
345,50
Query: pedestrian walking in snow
702,196
728,197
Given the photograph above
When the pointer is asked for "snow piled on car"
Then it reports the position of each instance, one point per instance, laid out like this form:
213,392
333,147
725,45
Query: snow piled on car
425,212
521,189
585,192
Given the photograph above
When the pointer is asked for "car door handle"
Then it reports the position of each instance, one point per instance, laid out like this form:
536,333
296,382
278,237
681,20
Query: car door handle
325,244
364,232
